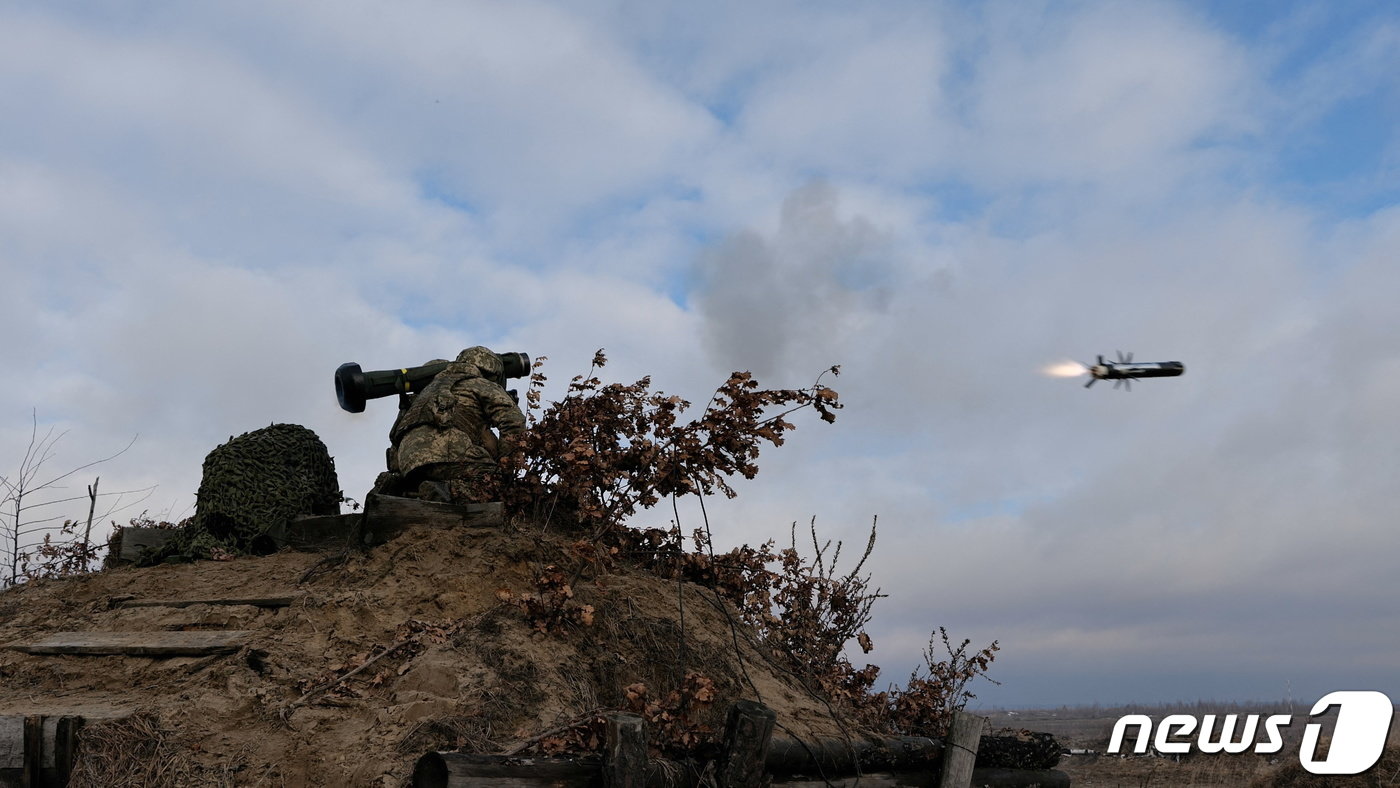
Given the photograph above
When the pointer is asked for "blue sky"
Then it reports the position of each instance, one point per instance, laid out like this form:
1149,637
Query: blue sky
204,209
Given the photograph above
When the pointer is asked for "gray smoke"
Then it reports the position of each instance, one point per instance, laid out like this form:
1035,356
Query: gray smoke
785,303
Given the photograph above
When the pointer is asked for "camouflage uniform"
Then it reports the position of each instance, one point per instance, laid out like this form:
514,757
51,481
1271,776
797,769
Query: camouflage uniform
443,439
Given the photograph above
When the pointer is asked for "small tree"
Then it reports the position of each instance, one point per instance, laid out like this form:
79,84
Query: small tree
27,491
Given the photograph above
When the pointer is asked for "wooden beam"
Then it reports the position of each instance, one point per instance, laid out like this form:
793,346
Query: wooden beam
745,750
387,515
11,745
459,770
33,750
135,540
840,757
876,780
261,601
138,644
981,778
625,756
1020,778
961,755
57,731
315,532
462,770
65,747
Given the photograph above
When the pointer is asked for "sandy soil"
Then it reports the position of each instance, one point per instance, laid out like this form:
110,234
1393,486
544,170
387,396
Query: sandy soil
482,679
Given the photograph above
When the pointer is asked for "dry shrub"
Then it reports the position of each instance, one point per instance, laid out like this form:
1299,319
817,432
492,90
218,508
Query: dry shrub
808,615
606,450
804,610
135,752
467,732
925,705
64,556
552,604
675,729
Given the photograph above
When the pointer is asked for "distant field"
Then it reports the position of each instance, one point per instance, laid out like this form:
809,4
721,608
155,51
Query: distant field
1089,727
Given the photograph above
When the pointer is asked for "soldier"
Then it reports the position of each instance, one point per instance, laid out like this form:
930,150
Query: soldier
442,442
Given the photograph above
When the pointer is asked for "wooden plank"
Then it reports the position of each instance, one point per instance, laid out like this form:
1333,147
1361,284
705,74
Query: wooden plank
841,757
462,770
261,601
135,540
138,644
875,780
458,770
1019,778
33,749
387,515
745,749
963,736
65,747
57,736
11,743
313,533
625,756
981,778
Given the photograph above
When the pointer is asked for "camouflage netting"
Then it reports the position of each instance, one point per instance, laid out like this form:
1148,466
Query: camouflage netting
254,483
1009,748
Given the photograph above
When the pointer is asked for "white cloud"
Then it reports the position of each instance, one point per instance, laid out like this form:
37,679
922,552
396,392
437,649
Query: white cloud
500,103
1100,92
872,105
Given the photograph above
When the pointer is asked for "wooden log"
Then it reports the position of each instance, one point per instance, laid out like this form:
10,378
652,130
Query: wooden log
961,754
261,601
625,756
33,749
316,532
135,540
65,747
461,770
875,780
458,770
138,644
386,516
57,746
1019,778
11,746
981,778
746,735
839,757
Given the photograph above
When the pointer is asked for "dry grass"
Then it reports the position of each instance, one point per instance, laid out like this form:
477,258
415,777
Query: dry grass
1292,775
1089,727
1111,771
135,752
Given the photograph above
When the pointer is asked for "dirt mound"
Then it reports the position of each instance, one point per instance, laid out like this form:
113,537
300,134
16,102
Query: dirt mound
311,697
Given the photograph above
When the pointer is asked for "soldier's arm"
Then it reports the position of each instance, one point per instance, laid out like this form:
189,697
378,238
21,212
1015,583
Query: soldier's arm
499,409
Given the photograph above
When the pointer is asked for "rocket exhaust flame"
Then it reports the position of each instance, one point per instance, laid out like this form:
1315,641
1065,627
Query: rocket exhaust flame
1065,369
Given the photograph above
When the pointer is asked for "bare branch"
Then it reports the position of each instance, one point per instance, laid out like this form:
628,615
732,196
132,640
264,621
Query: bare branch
84,497
85,466
19,490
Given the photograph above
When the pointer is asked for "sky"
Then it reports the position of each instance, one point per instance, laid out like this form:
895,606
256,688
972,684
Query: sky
206,208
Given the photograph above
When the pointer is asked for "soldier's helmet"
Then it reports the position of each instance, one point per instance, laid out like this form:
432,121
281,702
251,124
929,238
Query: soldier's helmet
487,363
